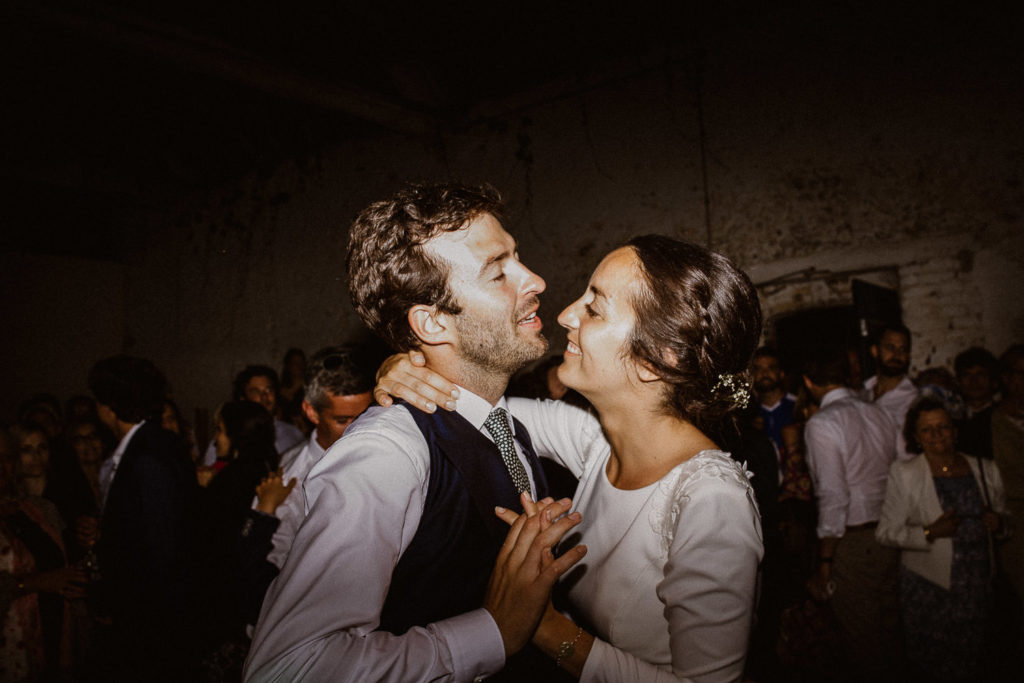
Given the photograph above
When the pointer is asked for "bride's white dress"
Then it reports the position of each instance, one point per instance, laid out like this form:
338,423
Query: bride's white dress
668,582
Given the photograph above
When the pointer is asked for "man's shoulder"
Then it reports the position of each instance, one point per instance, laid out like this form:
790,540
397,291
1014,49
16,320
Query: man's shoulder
152,440
382,420
383,429
382,448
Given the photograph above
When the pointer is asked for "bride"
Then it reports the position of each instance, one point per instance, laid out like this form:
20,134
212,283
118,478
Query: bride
659,343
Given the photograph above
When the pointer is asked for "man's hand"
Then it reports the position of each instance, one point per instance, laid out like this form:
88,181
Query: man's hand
405,376
818,585
526,571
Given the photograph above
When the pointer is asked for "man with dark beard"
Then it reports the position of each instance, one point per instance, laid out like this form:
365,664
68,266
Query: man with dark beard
776,407
890,388
387,579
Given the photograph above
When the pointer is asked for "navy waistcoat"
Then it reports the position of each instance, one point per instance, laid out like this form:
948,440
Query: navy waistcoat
445,569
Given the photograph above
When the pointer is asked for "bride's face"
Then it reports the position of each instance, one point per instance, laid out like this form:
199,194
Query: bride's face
598,324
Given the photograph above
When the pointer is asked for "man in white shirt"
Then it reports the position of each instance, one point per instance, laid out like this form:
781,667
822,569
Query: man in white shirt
338,383
850,446
387,577
890,388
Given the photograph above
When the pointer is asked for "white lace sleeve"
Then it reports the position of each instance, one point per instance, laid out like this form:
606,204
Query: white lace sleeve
562,432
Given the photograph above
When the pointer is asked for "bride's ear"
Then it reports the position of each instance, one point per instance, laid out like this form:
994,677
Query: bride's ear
645,372
429,325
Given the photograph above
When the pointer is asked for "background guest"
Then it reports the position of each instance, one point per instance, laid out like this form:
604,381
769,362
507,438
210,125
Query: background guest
1008,451
35,581
259,384
940,514
147,532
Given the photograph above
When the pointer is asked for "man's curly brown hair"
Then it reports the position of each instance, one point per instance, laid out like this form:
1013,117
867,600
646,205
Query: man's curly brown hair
389,272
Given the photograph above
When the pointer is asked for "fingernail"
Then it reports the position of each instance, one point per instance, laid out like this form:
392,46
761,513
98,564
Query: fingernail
450,405
528,496
499,509
565,501
430,407
575,516
455,394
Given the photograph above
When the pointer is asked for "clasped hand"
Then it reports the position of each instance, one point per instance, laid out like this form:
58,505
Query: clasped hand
526,570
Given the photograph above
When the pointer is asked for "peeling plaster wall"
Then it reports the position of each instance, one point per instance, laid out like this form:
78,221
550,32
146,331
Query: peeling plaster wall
914,170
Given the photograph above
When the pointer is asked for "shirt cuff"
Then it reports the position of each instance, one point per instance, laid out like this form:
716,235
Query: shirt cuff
593,667
475,644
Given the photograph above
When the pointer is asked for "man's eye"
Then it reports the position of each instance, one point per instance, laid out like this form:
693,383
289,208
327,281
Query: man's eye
499,278
590,311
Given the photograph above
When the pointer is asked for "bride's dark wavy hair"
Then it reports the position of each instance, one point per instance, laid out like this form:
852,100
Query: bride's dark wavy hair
697,320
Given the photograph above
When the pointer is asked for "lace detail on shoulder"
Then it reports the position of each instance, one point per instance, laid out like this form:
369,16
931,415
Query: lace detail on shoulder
674,489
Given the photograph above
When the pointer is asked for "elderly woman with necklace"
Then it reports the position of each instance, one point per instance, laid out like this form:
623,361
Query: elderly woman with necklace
942,509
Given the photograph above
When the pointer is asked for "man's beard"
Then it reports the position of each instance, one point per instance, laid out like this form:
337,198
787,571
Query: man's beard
893,369
495,346
765,385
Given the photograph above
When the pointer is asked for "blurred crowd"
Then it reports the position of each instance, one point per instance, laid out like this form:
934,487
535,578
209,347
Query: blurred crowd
128,551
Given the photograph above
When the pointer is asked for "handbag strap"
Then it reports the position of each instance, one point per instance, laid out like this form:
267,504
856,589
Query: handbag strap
984,484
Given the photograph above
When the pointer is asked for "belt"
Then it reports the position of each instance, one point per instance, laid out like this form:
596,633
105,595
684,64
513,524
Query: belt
862,527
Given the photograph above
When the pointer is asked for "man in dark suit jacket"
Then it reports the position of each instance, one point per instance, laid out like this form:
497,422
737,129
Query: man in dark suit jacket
147,527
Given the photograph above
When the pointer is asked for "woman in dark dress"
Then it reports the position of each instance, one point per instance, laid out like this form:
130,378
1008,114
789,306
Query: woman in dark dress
942,509
35,581
244,439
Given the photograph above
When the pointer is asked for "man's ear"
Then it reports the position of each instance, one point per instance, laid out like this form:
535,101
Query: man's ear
808,383
874,351
430,325
310,412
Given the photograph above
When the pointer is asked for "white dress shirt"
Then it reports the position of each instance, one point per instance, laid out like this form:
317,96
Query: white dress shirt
364,500
895,402
295,463
850,446
108,469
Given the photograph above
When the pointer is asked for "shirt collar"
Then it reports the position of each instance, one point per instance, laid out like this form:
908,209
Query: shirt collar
904,383
835,395
476,409
315,449
119,451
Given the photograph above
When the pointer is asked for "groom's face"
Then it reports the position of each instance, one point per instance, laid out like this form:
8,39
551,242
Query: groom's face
498,328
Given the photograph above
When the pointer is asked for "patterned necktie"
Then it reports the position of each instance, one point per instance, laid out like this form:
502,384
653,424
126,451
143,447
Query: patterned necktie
497,425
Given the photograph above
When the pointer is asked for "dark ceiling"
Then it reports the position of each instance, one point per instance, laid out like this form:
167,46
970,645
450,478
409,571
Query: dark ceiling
119,111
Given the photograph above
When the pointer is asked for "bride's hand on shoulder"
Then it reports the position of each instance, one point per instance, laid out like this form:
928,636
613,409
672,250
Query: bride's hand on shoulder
405,376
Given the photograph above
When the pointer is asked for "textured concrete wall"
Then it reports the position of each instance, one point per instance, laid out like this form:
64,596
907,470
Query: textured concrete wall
60,315
909,166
